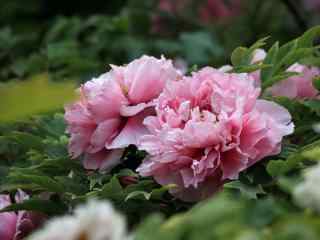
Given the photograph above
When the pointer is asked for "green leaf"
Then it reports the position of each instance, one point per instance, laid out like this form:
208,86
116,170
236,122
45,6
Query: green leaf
270,59
43,182
314,105
238,56
281,167
241,57
157,194
307,39
250,192
113,190
251,68
288,54
316,82
37,205
127,172
138,195
27,140
310,61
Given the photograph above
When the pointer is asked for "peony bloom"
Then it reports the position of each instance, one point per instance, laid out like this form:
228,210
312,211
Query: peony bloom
109,115
307,193
300,86
95,221
16,226
208,128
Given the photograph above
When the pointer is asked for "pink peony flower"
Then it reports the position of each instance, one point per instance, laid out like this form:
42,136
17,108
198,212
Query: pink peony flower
208,128
300,86
16,226
109,115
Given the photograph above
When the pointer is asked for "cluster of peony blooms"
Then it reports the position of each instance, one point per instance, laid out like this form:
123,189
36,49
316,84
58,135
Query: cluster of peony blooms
16,226
199,130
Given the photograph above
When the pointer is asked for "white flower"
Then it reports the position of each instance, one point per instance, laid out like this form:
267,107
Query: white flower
307,193
95,221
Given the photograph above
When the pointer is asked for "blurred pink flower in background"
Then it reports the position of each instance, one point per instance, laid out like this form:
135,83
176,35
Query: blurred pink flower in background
300,86
109,115
207,11
16,226
312,4
208,128
219,10
172,6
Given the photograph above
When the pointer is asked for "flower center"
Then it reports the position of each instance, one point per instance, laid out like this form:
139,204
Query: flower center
83,236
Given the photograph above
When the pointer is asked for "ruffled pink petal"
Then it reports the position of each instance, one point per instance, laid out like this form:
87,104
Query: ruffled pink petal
232,163
131,132
277,113
107,101
146,77
103,160
129,111
27,223
104,134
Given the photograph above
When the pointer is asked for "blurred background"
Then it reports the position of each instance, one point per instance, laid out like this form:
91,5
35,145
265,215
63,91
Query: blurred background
76,40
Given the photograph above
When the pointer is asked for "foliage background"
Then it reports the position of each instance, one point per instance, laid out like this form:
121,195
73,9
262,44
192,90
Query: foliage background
49,47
